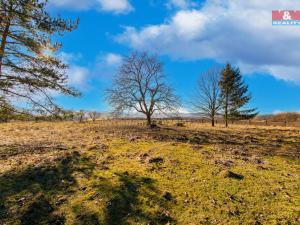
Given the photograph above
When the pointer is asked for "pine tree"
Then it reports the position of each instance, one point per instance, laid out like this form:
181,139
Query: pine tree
234,95
29,67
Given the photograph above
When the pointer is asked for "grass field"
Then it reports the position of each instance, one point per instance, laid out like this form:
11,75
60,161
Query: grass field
106,173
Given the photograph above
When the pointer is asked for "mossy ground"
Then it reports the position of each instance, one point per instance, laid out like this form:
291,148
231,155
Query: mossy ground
70,173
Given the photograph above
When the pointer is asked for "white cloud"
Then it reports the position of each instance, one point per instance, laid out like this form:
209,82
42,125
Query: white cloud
71,4
69,57
107,65
113,59
275,112
78,76
114,6
237,31
182,110
103,68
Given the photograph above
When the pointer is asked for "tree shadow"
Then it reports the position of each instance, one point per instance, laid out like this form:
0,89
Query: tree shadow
41,212
9,150
85,216
136,200
32,193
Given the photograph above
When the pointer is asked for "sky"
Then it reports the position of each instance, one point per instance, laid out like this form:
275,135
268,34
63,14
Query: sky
189,37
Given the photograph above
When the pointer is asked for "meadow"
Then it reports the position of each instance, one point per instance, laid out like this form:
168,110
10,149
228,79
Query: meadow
117,172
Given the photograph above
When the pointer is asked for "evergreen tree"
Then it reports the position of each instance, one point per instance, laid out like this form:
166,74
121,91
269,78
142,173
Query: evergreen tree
234,95
29,68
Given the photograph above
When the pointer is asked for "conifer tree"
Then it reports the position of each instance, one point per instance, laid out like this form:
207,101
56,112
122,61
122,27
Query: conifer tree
234,95
29,67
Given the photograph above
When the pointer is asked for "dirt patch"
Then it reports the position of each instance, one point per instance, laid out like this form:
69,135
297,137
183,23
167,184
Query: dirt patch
224,163
156,160
233,175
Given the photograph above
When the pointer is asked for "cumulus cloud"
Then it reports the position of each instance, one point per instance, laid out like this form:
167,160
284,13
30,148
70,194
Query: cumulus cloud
71,4
114,6
107,65
69,57
104,67
113,59
238,31
78,76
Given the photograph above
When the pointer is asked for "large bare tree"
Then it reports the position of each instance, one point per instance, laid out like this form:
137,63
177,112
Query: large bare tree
206,98
140,86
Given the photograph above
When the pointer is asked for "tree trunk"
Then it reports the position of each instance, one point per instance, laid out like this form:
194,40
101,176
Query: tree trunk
213,122
226,107
3,44
149,120
226,116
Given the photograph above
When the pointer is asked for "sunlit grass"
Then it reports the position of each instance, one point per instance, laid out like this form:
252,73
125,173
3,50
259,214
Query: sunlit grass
70,173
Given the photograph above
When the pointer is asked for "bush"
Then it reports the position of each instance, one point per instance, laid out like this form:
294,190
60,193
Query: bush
180,124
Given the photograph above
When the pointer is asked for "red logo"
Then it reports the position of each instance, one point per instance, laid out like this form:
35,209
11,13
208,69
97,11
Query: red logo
285,15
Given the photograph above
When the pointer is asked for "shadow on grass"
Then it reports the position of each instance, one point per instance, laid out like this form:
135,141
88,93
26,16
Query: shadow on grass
87,218
41,212
32,196
136,201
29,195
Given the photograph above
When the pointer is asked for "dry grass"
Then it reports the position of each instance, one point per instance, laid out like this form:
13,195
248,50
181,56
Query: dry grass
124,173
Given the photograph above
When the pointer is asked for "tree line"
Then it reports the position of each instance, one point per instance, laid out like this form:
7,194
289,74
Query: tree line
222,91
140,86
30,70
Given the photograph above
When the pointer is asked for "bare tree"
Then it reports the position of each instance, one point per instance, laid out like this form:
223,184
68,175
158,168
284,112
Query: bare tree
206,98
80,116
93,115
140,86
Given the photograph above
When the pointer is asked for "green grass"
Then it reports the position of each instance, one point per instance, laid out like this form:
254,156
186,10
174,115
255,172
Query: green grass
112,179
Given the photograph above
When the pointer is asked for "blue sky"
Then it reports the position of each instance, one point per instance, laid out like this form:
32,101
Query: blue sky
189,37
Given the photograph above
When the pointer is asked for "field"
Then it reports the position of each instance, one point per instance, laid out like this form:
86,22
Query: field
122,173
